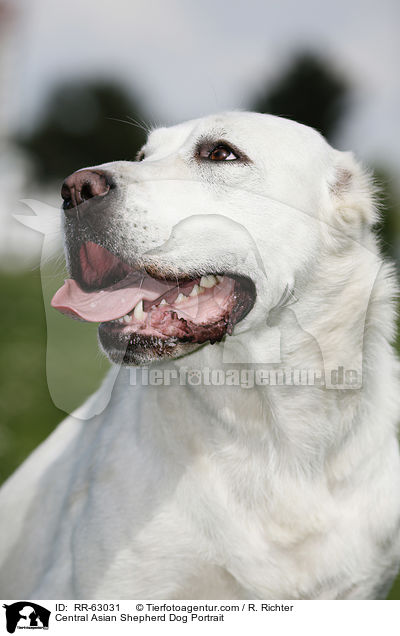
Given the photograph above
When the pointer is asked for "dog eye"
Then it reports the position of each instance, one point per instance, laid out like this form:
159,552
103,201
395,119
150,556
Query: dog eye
221,152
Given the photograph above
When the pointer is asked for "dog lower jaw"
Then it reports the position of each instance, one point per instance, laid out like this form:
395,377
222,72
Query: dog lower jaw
133,348
142,350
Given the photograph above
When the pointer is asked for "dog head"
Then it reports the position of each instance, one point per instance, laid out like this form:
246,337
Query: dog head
204,234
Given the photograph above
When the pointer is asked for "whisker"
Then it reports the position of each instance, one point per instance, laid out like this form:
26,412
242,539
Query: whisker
133,123
140,123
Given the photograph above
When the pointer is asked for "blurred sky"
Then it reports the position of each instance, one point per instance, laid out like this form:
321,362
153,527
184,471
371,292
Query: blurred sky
185,58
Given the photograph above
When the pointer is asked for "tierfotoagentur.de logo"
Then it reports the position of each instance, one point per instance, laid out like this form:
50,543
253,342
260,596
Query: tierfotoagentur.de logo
26,615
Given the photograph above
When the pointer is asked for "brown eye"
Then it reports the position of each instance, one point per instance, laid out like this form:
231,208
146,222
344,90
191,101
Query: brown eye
222,153
217,151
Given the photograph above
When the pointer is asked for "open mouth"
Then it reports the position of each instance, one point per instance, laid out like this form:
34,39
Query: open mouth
130,304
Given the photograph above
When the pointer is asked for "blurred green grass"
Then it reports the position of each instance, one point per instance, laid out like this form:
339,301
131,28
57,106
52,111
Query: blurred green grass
28,411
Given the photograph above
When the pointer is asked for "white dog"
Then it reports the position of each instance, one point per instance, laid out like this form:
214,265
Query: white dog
234,259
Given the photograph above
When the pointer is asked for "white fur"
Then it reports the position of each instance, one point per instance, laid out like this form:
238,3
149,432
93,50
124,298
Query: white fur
220,492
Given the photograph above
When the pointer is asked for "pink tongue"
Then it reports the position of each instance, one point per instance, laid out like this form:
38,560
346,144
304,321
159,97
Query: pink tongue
111,303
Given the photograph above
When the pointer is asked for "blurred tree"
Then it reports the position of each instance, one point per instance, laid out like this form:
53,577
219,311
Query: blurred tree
310,92
388,229
79,128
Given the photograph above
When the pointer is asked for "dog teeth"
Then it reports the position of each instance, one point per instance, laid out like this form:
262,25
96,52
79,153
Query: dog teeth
163,302
208,281
138,311
196,290
127,318
180,298
120,320
220,278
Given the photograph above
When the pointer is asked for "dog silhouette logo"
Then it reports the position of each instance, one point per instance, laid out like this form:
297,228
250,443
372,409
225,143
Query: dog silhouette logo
26,615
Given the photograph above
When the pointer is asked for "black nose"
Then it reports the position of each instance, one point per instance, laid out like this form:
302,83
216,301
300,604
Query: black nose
83,185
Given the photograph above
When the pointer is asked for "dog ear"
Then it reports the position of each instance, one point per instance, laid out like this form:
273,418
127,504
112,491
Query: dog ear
353,192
